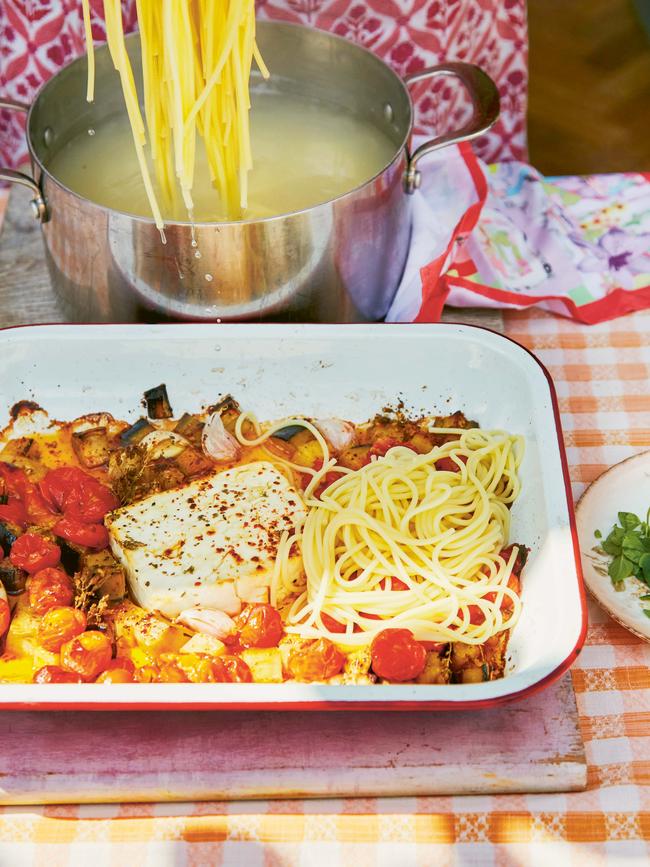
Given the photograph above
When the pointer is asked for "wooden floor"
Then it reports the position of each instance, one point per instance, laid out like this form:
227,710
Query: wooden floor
589,98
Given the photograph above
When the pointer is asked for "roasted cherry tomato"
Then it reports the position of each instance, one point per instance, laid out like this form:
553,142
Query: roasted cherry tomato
55,674
331,624
12,480
396,655
78,494
26,503
60,625
318,660
50,588
14,512
236,668
5,616
38,510
437,646
75,531
32,553
328,479
121,662
87,655
383,445
258,625
115,675
395,584
450,465
520,559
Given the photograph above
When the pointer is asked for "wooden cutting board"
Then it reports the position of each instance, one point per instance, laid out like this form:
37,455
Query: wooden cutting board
66,757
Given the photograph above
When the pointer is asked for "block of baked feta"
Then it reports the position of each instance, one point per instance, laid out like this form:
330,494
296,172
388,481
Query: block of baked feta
211,543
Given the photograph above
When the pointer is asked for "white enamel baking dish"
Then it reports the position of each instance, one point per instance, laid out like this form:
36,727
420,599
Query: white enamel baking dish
350,371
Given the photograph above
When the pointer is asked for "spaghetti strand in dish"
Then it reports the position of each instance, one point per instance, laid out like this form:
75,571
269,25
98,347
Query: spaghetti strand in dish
436,534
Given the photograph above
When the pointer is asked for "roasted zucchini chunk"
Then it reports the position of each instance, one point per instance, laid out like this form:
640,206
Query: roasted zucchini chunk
355,457
8,534
99,569
13,578
436,667
191,428
138,431
157,402
92,447
191,462
468,663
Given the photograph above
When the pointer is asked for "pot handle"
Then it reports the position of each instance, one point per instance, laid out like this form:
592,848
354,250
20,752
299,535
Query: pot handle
38,202
485,100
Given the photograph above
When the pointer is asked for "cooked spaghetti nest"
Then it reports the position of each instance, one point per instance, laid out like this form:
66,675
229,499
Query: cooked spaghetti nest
440,532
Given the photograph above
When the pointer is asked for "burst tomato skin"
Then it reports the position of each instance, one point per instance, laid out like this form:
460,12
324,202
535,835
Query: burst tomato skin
331,624
237,670
14,512
318,660
32,553
78,494
258,625
50,588
87,655
89,535
5,616
396,655
449,465
55,674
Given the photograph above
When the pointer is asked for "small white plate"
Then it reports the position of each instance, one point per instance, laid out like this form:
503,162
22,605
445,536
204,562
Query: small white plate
625,487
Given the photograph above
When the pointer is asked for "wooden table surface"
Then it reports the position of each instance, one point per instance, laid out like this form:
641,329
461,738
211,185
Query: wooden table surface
26,296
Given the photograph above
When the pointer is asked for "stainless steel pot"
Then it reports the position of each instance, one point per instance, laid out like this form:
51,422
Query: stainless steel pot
337,261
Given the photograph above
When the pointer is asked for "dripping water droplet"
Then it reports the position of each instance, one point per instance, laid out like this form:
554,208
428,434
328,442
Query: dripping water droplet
91,132
208,277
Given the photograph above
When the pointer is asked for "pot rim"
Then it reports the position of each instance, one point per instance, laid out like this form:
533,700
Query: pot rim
401,151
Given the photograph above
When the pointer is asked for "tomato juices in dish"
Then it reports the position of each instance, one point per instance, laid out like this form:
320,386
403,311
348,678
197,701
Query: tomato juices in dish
212,547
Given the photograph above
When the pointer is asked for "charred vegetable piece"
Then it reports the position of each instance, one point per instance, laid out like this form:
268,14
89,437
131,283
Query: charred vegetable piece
8,535
190,427
158,405
92,447
286,433
13,578
101,570
468,663
354,458
18,448
138,431
70,556
191,462
436,667
226,404
457,420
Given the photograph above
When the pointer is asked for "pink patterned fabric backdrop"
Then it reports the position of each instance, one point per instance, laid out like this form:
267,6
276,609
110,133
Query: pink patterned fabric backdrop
38,36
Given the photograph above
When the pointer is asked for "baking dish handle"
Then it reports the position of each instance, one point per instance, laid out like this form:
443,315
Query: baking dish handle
38,202
485,101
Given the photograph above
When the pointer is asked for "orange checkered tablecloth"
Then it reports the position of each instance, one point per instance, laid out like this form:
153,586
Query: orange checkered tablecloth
601,374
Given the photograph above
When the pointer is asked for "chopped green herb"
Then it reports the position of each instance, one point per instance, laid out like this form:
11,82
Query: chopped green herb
645,598
628,544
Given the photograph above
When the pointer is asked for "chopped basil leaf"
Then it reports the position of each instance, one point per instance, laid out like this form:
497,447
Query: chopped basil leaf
598,534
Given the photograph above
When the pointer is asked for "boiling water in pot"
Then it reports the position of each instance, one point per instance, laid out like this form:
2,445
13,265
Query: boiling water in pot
304,153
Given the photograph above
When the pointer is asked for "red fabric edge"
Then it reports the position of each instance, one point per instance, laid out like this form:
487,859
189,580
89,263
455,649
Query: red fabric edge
434,287
617,303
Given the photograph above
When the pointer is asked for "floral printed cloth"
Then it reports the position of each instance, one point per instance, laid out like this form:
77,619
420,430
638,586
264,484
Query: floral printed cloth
575,246
37,37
